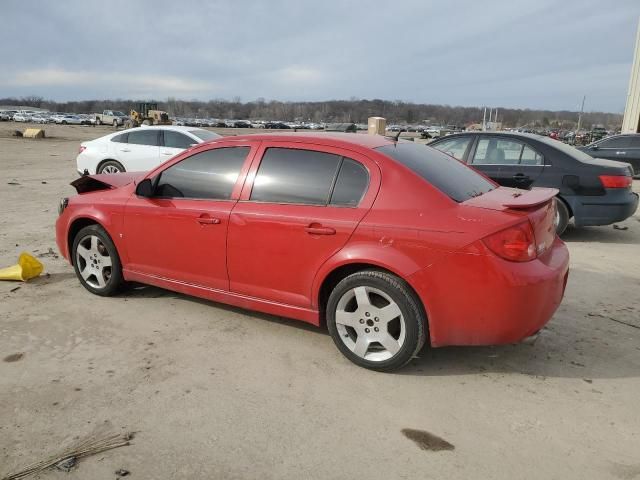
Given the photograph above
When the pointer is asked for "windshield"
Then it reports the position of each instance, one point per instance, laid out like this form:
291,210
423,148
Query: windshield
204,135
447,174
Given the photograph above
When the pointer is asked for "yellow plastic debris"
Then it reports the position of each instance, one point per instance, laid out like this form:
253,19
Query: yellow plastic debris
33,133
28,267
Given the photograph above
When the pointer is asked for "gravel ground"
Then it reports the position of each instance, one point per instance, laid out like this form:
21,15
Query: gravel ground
220,393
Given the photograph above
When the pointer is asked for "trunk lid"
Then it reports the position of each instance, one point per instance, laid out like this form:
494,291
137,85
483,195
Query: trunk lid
538,204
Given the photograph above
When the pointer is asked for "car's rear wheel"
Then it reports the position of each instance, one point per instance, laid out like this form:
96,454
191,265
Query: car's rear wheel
562,217
96,261
98,121
115,124
111,166
376,320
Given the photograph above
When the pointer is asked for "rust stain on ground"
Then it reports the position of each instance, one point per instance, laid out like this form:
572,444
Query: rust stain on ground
427,441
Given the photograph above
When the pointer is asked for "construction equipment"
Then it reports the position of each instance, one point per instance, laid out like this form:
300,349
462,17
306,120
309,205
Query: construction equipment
147,114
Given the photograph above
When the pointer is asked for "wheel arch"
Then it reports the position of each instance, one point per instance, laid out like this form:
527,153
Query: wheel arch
105,160
339,272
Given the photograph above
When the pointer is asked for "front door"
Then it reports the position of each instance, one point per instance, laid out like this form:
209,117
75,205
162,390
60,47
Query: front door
301,209
180,233
509,162
142,150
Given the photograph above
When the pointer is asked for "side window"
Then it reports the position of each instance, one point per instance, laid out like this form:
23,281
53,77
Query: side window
496,151
530,157
616,142
144,137
351,184
122,138
177,140
454,147
295,176
206,175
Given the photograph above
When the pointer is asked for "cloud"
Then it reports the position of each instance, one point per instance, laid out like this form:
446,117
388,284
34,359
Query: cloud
130,82
529,53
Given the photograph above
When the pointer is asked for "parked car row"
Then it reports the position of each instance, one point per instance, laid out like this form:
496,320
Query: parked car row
32,116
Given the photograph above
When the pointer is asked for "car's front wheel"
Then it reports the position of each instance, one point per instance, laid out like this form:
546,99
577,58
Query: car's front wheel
96,261
111,166
376,320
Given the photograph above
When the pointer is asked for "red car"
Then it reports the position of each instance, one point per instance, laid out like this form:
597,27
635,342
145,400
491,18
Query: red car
390,243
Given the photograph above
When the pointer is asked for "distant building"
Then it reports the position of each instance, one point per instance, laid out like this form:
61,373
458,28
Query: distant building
631,120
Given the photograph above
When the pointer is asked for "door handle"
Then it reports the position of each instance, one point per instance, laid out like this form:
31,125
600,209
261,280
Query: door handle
318,229
125,150
520,176
166,153
621,153
208,220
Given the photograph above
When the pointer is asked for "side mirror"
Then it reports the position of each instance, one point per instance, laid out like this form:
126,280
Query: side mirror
145,188
594,147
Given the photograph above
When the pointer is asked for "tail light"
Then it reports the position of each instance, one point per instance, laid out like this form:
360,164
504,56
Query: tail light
616,181
81,149
517,243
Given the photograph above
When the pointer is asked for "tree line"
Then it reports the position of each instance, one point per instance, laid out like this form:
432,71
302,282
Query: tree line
353,110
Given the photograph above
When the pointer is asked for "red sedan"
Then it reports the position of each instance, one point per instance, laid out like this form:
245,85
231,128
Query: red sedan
389,243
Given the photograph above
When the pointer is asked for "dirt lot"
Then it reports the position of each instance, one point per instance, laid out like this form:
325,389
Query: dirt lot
220,393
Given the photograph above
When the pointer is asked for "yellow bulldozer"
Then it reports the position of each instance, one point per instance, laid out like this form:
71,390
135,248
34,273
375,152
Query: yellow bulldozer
147,114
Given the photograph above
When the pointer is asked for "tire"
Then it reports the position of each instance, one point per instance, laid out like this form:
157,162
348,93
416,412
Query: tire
562,216
356,309
64,122
98,121
96,261
111,167
115,124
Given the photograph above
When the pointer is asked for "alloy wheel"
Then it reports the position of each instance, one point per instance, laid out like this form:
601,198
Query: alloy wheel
370,323
94,262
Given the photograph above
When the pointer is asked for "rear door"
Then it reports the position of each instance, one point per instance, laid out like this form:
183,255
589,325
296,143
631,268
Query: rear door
299,207
142,150
508,161
173,143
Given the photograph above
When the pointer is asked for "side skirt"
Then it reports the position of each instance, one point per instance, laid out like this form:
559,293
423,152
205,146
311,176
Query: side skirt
228,298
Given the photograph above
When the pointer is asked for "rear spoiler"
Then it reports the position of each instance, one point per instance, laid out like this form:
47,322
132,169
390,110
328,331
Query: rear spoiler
530,198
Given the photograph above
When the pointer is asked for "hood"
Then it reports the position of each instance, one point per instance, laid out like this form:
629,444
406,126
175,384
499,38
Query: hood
103,181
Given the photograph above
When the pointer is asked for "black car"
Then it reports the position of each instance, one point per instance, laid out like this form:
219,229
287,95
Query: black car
625,148
591,190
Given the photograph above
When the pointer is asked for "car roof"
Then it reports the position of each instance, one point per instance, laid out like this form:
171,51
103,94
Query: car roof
532,136
178,128
346,139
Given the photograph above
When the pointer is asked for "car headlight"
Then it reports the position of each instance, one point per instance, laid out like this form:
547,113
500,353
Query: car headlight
62,205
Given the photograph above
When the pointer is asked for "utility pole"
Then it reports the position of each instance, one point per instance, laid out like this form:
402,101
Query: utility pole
580,115
484,119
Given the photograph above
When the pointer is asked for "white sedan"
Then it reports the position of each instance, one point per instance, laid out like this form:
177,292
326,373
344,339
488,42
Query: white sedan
137,149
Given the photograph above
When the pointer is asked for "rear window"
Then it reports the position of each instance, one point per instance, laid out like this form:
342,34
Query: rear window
204,135
447,174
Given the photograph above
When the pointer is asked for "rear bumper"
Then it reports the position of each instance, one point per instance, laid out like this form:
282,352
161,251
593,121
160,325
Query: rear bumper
477,298
615,206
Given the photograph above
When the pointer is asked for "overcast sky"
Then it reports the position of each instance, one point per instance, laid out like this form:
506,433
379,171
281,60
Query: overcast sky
510,53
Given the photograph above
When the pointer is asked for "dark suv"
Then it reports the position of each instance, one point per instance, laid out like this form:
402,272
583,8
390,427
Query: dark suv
591,190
